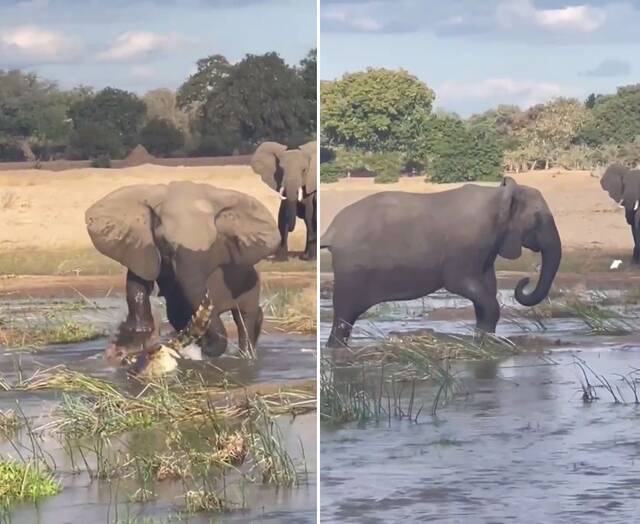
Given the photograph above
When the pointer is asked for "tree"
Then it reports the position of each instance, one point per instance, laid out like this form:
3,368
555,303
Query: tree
95,141
457,152
614,119
120,113
32,112
212,70
161,137
308,71
262,98
554,126
375,110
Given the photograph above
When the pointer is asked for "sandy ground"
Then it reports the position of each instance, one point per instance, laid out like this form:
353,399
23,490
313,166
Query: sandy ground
45,209
586,217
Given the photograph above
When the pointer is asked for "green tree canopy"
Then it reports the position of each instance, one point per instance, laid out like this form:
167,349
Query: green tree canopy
161,137
375,110
613,119
211,71
120,113
262,98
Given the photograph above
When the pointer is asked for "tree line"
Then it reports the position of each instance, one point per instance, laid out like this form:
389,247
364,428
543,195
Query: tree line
221,109
382,121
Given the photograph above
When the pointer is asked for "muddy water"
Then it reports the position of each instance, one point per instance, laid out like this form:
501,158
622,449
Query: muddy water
281,358
520,446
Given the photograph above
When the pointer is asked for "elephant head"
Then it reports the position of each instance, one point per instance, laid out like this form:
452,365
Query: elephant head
194,227
623,186
524,219
291,172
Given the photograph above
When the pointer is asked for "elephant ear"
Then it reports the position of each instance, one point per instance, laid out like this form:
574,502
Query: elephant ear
511,241
265,163
245,225
120,226
613,181
311,178
232,226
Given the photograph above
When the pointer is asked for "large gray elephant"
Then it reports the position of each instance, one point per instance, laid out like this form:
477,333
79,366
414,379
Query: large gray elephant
293,174
623,186
189,239
402,246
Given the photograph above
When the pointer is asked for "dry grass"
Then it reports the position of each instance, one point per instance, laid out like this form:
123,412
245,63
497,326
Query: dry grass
294,311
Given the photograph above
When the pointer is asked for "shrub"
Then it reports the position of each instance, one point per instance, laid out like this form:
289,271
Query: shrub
93,141
386,166
102,161
330,172
161,137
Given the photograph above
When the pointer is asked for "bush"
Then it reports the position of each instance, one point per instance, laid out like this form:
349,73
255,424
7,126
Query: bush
459,154
93,141
161,137
102,161
330,172
386,166
11,152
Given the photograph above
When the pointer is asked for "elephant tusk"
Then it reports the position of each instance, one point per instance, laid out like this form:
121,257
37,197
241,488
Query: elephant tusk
635,207
282,197
300,194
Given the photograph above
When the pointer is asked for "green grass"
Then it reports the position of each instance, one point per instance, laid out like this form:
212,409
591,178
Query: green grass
22,336
24,482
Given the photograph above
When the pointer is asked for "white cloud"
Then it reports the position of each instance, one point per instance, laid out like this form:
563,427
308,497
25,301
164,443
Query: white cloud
505,90
35,45
142,72
350,19
514,14
135,45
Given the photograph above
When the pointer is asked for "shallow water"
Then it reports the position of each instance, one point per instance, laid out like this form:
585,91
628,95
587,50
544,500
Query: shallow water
281,358
519,446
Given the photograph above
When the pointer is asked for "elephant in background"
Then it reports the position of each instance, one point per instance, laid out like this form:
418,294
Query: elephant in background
293,174
190,239
403,246
623,186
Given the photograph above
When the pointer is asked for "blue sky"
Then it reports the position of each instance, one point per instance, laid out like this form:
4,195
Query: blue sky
145,44
478,53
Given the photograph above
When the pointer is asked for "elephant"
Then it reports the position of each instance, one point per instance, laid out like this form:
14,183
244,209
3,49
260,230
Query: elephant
194,241
293,174
402,246
623,186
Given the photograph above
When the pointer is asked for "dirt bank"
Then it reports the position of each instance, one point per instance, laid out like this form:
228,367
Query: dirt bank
99,286
586,217
45,210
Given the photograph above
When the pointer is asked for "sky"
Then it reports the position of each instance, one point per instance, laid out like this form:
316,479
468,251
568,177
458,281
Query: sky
477,54
141,45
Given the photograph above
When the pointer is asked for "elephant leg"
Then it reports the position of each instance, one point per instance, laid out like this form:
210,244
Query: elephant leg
283,226
311,224
249,326
636,244
482,292
139,323
346,310
214,343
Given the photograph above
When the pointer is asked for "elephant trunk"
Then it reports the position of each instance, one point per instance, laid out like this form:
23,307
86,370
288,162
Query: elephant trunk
192,269
293,194
551,249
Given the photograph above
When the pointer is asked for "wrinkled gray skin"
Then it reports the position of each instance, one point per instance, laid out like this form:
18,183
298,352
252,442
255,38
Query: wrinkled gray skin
623,186
188,238
403,246
293,174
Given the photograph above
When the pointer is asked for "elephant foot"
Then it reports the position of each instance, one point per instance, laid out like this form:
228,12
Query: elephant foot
282,255
133,336
308,255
